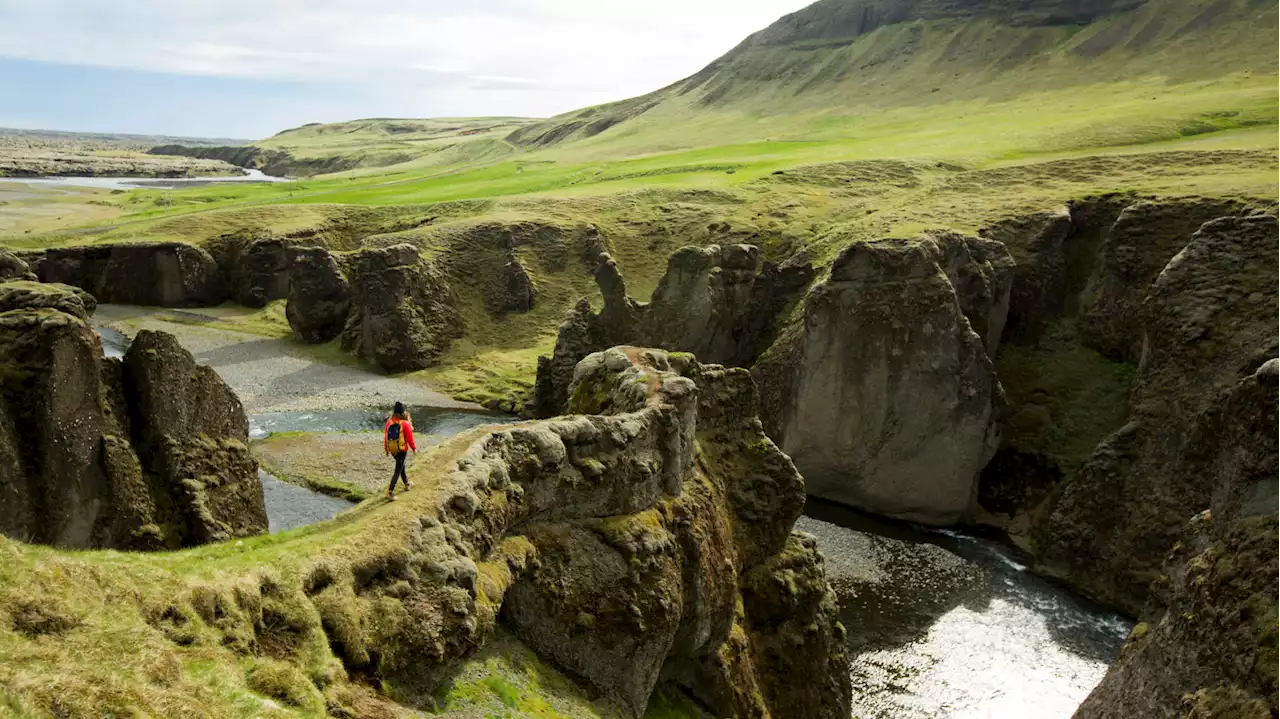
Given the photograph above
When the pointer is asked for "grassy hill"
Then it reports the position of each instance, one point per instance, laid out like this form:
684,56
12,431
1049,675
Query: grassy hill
840,67
316,148
851,119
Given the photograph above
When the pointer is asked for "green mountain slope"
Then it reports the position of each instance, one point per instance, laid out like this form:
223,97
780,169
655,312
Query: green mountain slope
815,74
317,148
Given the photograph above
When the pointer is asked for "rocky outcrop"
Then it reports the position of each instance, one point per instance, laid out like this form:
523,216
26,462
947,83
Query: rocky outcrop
161,274
403,314
1208,319
511,290
391,308
885,397
1209,648
319,295
716,302
13,267
625,601
253,267
26,294
1138,245
147,453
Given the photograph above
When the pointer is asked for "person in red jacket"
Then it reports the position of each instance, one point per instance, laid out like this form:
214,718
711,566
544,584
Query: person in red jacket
397,440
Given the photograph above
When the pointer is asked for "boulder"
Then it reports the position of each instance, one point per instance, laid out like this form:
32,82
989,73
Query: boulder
146,454
403,314
319,295
13,267
1143,239
885,397
1209,648
1208,320
162,274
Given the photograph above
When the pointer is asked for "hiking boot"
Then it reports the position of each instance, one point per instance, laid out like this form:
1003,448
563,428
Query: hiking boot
408,485
390,497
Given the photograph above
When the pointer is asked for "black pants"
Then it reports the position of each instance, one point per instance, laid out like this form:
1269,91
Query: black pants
399,472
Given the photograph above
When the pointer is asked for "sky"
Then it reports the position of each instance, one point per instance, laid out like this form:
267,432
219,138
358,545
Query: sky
250,68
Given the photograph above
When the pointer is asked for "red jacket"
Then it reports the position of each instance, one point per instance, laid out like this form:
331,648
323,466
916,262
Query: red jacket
406,427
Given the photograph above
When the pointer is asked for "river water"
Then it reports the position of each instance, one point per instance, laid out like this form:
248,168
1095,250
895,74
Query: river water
135,183
942,625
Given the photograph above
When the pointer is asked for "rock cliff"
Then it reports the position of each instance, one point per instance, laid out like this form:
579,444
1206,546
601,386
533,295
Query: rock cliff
1208,649
162,274
403,313
717,302
646,543
1207,320
884,395
390,307
145,453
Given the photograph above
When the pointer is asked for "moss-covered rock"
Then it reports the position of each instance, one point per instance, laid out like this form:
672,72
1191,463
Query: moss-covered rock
403,314
143,454
1208,320
1208,648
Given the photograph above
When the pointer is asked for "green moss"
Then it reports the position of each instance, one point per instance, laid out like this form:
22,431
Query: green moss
1064,398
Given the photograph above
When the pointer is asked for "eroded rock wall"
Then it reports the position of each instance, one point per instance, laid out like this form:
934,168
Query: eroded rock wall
1208,648
145,453
717,302
403,314
1207,320
162,274
885,397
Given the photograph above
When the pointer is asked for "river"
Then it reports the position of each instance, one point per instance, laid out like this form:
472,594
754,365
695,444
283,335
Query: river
136,183
941,625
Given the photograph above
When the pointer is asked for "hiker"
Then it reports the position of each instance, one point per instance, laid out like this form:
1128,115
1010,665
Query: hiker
397,441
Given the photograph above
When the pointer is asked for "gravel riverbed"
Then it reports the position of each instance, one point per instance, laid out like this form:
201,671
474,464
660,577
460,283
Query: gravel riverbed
273,375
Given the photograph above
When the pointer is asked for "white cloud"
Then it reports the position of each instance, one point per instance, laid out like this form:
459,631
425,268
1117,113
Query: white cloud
542,55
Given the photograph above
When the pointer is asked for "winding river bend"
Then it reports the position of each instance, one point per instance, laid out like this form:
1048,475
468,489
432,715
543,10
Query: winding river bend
941,625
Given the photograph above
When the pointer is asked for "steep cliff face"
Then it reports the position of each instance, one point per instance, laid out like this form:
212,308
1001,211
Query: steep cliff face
403,312
319,295
390,307
162,274
147,453
1207,320
1209,648
885,397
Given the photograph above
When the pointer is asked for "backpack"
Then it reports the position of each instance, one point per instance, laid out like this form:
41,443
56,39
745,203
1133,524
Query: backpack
395,438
